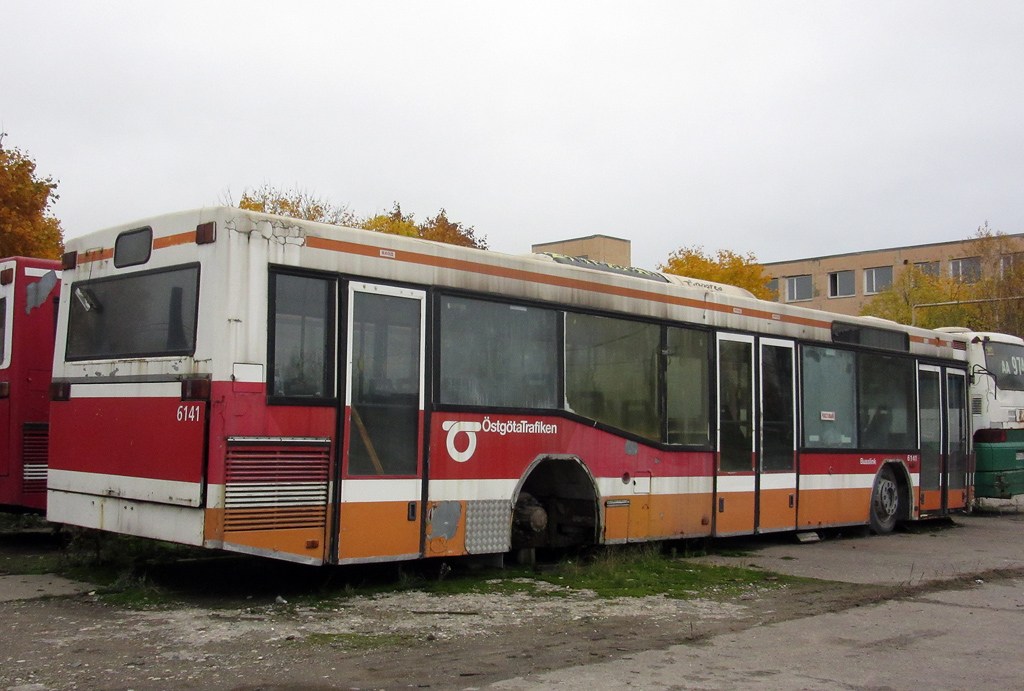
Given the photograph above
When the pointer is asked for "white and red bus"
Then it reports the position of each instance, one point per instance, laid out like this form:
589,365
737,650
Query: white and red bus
28,319
332,395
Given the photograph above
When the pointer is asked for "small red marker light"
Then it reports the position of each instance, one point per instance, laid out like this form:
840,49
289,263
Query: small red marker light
195,389
206,233
989,436
60,391
69,260
7,277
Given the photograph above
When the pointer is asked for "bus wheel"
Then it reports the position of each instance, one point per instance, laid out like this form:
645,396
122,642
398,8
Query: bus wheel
885,502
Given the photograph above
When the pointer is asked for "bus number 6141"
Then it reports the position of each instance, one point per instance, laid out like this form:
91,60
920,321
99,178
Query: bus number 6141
188,413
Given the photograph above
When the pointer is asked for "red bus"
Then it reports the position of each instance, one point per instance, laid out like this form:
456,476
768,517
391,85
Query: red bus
332,395
28,312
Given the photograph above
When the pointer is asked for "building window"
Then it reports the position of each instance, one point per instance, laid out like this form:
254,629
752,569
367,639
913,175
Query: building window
799,288
841,284
1010,263
877,279
928,268
773,288
967,269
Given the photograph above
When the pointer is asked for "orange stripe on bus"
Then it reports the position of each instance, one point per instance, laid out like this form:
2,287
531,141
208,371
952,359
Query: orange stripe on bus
534,277
95,255
172,240
931,341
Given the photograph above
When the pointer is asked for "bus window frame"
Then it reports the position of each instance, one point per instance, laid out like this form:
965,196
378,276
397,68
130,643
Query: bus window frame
181,352
433,345
338,302
857,350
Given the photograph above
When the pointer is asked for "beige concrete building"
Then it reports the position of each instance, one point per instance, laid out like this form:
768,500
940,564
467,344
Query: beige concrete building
601,248
843,283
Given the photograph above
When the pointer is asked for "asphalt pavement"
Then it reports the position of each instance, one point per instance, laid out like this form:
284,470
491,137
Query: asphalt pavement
966,636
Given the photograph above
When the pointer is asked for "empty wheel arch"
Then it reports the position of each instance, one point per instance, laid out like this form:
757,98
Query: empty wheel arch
556,505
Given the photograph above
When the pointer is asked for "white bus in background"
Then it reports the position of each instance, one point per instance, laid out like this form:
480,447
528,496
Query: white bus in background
996,371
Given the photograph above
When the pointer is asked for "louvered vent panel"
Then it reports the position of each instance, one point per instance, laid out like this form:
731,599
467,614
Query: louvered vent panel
272,487
959,345
35,445
976,405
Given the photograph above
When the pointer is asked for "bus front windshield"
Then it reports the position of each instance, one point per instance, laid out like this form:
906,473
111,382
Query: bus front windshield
1006,363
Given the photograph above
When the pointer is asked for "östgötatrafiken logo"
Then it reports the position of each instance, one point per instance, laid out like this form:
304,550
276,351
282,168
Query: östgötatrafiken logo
487,426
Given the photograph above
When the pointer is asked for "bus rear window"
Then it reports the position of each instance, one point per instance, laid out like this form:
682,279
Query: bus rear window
1006,363
133,247
140,315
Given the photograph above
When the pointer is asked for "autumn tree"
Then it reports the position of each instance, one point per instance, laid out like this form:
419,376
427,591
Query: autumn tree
295,203
911,287
441,229
394,223
27,227
1000,289
991,300
725,266
305,205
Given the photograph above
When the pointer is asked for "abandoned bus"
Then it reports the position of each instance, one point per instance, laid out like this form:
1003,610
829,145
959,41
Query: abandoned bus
331,395
28,311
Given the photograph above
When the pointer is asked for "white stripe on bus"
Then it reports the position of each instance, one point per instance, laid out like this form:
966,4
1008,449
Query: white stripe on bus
851,481
361,490
128,390
138,488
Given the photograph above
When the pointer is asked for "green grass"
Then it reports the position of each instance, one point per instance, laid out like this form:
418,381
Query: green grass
22,522
139,573
610,572
645,571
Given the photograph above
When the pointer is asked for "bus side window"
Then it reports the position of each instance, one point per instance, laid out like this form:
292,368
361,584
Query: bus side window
888,404
687,366
496,354
829,398
302,345
611,372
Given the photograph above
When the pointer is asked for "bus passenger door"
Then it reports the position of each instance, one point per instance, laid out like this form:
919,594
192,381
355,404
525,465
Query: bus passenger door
734,478
957,440
929,385
380,513
776,460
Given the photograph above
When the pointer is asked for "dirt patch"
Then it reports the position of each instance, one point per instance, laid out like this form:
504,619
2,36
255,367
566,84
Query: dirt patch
394,641
235,633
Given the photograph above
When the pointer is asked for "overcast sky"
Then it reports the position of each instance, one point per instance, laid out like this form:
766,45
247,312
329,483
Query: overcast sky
786,129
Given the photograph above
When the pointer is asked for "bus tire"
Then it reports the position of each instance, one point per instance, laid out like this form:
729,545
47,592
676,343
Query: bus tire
886,502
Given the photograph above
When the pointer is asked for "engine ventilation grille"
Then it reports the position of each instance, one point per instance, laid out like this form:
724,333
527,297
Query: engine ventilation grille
35,447
275,486
959,345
